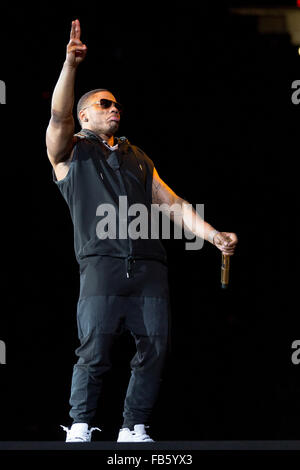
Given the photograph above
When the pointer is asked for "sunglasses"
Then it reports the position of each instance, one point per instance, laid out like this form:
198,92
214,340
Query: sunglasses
106,104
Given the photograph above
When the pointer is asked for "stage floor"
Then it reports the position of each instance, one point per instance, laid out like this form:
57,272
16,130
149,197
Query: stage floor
279,445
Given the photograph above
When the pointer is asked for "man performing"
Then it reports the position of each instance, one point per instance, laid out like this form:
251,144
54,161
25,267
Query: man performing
123,280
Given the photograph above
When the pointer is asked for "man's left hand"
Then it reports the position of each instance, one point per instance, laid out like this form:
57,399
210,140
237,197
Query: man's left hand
226,242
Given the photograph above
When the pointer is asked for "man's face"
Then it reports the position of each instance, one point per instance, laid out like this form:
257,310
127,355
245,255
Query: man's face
101,120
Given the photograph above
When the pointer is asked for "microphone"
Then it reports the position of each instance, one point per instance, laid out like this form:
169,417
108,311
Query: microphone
225,271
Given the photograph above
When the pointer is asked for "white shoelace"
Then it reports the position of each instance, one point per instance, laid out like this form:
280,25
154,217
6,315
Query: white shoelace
74,434
144,437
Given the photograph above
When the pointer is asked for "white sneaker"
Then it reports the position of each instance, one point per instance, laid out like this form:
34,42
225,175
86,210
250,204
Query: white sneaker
138,435
79,432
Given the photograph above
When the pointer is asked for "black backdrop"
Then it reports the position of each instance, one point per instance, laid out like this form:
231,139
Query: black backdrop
209,100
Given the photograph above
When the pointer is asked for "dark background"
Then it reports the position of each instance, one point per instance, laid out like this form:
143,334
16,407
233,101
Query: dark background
209,100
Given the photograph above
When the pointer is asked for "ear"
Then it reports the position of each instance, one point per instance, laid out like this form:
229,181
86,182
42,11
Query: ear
83,116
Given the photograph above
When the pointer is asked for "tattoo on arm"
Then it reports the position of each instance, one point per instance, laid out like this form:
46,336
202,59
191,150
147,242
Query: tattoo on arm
156,186
161,193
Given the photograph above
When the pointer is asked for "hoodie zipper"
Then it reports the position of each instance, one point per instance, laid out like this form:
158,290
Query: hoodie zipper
129,260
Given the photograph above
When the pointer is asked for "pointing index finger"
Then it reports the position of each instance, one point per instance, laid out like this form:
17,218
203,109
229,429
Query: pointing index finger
77,29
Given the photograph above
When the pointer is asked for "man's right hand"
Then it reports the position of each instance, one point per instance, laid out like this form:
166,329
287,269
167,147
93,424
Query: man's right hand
76,51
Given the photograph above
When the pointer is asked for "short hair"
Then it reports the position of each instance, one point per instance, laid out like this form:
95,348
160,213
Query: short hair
84,100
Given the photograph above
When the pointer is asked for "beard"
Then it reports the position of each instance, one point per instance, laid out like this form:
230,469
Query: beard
113,126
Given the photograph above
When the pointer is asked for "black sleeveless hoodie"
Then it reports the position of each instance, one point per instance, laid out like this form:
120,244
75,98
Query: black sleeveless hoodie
98,175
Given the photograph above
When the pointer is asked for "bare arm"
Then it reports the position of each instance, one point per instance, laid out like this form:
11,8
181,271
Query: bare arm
183,211
59,134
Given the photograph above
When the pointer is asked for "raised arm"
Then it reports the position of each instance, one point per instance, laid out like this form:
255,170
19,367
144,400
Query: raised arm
162,194
60,131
